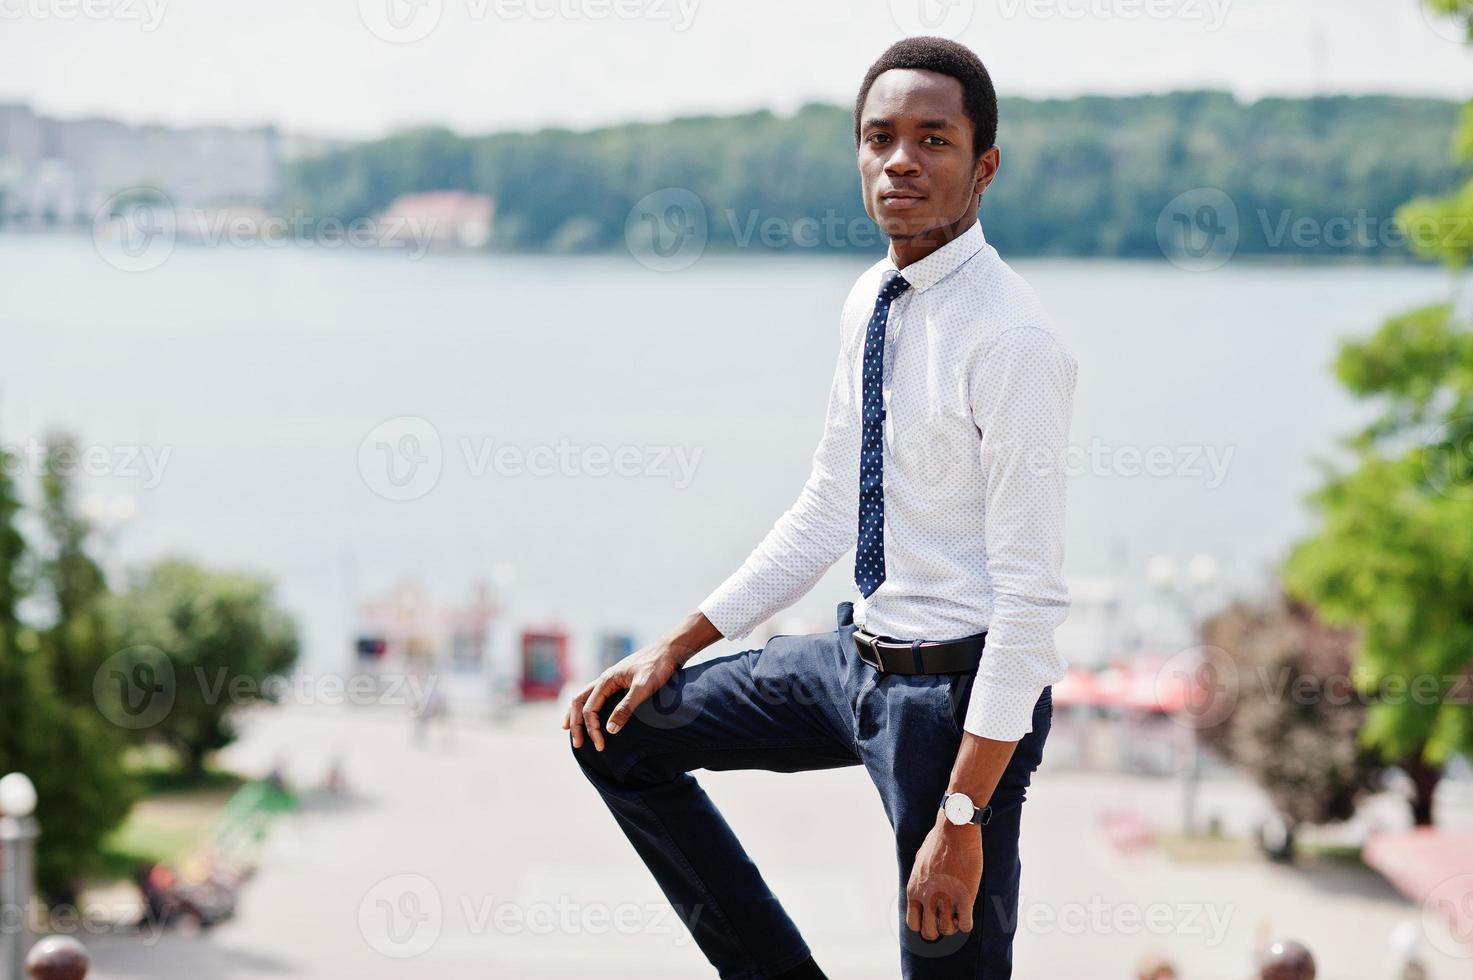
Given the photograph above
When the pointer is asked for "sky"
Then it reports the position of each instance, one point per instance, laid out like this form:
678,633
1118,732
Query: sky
360,68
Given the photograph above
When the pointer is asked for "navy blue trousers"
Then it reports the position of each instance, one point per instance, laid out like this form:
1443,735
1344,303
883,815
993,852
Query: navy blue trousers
801,703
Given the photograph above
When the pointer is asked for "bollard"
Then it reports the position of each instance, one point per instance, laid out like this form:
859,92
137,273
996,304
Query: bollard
18,841
17,850
1285,959
18,835
57,958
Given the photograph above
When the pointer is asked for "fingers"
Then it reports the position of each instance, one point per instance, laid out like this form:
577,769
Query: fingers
928,920
945,914
582,717
933,913
603,688
573,719
636,696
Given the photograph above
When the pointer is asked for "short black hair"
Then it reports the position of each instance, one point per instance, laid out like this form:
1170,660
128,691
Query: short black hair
939,54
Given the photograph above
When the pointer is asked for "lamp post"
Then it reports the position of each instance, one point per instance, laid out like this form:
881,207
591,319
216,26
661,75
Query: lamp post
18,833
1184,587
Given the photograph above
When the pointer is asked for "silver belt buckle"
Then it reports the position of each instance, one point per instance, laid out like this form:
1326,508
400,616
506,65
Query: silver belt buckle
864,641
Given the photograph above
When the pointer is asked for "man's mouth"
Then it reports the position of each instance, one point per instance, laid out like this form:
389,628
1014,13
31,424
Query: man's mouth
900,200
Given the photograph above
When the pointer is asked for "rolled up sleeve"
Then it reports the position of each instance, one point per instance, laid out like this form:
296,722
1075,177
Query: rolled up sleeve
1022,392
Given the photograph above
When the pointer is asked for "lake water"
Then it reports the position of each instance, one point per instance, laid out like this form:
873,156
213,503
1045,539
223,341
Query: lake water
262,372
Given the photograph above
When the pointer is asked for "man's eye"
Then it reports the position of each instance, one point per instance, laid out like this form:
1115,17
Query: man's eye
878,136
939,140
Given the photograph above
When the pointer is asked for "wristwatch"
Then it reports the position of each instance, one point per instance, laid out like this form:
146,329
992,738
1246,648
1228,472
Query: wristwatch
960,810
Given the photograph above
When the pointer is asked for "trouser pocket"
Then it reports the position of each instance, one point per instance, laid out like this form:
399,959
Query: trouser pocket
958,696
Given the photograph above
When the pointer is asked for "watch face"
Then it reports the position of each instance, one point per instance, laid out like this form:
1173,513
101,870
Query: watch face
959,809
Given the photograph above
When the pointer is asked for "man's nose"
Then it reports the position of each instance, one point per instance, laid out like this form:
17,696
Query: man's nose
902,159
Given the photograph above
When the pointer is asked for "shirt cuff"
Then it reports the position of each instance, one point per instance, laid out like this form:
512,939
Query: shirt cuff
1000,711
733,609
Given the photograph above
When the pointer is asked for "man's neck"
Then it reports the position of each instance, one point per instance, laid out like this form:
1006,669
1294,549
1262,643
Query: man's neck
905,251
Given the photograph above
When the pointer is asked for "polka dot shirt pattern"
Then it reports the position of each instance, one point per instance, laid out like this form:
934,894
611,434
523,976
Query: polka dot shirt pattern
975,399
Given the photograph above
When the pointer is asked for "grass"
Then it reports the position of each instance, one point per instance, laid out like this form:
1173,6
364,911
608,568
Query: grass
1334,853
1203,847
170,782
174,816
137,843
1209,847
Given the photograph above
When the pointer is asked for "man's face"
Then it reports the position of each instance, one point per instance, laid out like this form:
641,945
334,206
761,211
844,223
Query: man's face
915,153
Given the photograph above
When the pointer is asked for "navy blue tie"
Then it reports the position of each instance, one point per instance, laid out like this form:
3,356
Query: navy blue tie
869,556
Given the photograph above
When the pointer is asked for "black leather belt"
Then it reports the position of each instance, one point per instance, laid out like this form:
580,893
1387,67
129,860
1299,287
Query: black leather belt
891,656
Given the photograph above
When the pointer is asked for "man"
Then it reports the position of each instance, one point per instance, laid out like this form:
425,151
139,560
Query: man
941,465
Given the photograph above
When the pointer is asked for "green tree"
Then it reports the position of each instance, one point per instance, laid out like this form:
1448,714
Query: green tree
75,643
206,643
1395,554
68,751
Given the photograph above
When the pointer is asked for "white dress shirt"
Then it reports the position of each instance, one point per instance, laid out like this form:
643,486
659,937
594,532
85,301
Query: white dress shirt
978,391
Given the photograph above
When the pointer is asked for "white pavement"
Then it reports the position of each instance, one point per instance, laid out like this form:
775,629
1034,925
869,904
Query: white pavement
485,854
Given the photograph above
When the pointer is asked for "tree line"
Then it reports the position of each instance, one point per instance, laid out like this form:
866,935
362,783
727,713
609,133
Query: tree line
1087,176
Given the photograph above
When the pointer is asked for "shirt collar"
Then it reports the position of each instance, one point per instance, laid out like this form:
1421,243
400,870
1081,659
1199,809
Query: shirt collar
942,262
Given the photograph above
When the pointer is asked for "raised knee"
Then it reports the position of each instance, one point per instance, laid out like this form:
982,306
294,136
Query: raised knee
611,761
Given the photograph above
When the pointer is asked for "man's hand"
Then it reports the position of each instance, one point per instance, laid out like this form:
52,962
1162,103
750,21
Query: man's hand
944,880
948,868
642,673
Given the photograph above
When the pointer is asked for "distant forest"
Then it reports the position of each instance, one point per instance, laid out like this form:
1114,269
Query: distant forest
1085,176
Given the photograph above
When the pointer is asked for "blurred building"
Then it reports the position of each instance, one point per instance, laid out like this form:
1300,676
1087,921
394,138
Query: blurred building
440,219
408,633
59,171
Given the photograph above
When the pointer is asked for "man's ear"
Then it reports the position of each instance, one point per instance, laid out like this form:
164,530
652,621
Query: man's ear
985,170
